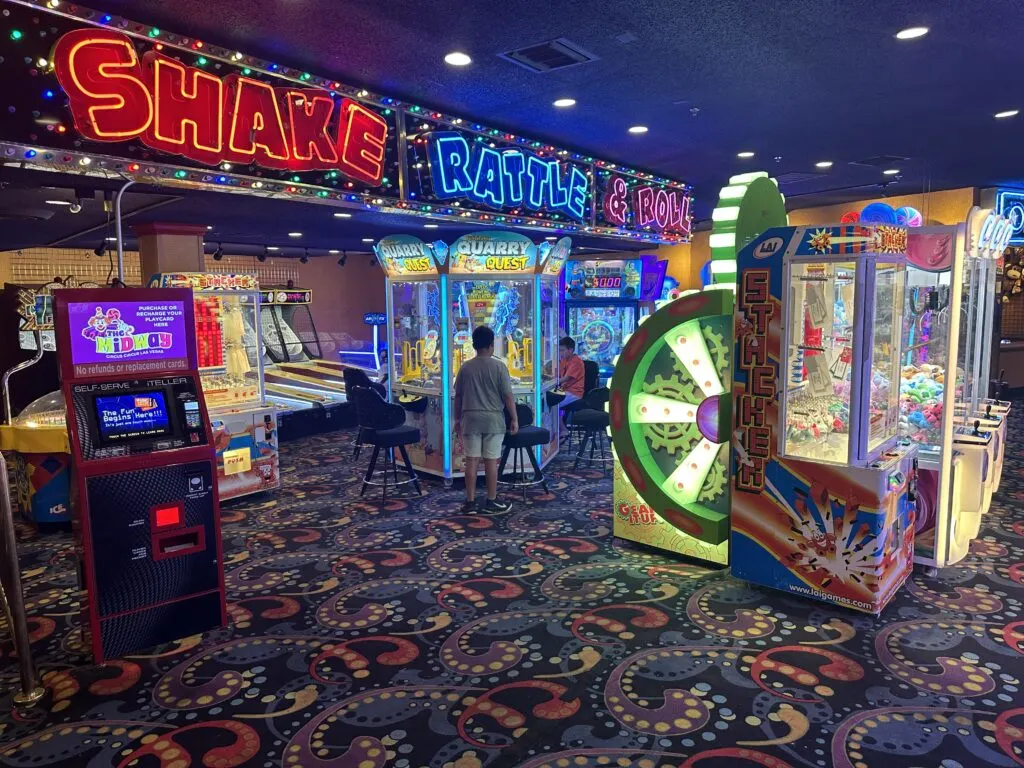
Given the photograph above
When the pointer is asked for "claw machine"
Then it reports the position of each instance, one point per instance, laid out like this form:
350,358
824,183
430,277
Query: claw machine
229,343
823,491
436,296
960,434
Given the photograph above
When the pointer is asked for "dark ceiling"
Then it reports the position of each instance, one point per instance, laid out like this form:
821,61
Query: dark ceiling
243,224
797,82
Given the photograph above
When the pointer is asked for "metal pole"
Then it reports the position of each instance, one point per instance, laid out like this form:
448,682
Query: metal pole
14,600
8,415
117,231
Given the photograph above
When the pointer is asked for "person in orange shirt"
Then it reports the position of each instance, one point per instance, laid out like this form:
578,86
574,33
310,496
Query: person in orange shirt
573,374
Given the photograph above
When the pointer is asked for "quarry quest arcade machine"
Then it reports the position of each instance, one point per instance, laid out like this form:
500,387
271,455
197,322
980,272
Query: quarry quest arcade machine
147,522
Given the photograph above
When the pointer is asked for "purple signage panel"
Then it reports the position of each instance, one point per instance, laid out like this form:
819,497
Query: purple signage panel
127,336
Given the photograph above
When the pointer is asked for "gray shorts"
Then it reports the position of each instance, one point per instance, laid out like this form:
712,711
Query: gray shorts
483,446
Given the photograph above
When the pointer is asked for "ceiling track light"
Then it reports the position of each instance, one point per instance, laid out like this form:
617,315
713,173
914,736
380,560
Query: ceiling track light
263,256
219,253
304,258
343,258
100,249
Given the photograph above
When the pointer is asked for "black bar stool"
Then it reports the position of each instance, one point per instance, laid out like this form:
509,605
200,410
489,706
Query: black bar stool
382,425
523,443
354,377
592,420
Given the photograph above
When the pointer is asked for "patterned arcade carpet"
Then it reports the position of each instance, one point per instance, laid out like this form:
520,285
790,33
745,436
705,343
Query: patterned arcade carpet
411,635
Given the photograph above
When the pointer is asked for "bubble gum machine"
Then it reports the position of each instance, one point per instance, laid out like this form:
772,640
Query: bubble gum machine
823,496
436,296
146,520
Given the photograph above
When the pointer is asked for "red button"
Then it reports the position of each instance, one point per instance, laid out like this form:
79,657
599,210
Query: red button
167,516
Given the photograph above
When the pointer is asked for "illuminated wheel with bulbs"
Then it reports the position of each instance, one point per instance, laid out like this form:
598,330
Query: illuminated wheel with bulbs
671,412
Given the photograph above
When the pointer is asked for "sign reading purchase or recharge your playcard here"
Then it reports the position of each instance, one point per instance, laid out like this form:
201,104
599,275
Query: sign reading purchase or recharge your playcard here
127,337
97,94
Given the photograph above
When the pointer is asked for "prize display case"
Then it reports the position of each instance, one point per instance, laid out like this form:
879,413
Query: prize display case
436,296
823,500
229,346
945,411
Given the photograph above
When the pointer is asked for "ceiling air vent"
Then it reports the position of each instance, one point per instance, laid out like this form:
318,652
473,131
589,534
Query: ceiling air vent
547,57
881,161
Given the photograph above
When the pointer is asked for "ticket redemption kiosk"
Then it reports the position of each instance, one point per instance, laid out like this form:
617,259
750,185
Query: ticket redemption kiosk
822,491
146,520
436,296
229,349
959,433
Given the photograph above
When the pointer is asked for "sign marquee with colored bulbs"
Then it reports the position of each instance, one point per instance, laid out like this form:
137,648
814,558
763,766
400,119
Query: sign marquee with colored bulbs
97,94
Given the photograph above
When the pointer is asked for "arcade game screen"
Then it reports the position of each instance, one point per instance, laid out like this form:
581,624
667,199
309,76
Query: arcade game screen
599,331
507,307
131,417
601,308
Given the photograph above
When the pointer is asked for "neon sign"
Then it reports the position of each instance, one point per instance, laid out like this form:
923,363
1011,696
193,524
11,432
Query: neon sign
115,96
667,210
1010,203
753,405
505,178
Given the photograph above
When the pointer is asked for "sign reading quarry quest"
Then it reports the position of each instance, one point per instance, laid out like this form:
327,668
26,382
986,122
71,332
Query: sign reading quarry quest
118,96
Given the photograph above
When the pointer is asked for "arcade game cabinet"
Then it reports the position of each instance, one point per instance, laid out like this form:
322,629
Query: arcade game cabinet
230,354
147,520
309,391
823,493
33,433
602,307
436,296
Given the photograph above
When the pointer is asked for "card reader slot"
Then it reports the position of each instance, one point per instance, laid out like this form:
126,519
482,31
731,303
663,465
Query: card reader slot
176,543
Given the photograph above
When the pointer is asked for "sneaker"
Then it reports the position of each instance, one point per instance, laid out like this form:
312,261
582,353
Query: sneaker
469,507
493,505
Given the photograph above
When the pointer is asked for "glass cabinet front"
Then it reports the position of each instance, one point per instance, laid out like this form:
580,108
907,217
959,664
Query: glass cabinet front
926,332
506,306
229,347
886,339
819,360
549,332
416,340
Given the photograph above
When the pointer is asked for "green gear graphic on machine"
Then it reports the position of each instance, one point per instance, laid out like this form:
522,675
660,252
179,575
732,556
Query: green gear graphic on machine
671,412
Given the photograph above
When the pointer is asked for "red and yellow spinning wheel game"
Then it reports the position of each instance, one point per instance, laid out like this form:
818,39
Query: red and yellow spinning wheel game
670,408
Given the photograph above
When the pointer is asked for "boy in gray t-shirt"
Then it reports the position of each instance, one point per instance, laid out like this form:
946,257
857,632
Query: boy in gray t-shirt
483,393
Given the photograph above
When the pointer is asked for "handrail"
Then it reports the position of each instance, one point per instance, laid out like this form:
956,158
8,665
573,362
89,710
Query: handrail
13,598
8,416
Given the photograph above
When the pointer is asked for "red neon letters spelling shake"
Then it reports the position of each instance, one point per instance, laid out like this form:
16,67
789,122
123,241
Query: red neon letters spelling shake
186,111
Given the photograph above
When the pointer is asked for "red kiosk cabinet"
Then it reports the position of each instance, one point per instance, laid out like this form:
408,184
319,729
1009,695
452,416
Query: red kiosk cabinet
146,521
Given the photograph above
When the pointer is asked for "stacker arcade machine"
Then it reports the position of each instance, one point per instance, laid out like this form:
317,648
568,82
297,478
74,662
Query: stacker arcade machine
147,520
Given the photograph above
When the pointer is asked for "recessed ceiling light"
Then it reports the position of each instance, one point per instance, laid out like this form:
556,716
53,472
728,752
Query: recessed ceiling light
272,248
430,226
1007,113
111,239
564,102
638,129
58,202
367,239
458,59
343,215
911,33
745,155
891,171
333,251
209,227
294,234
550,237
823,164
